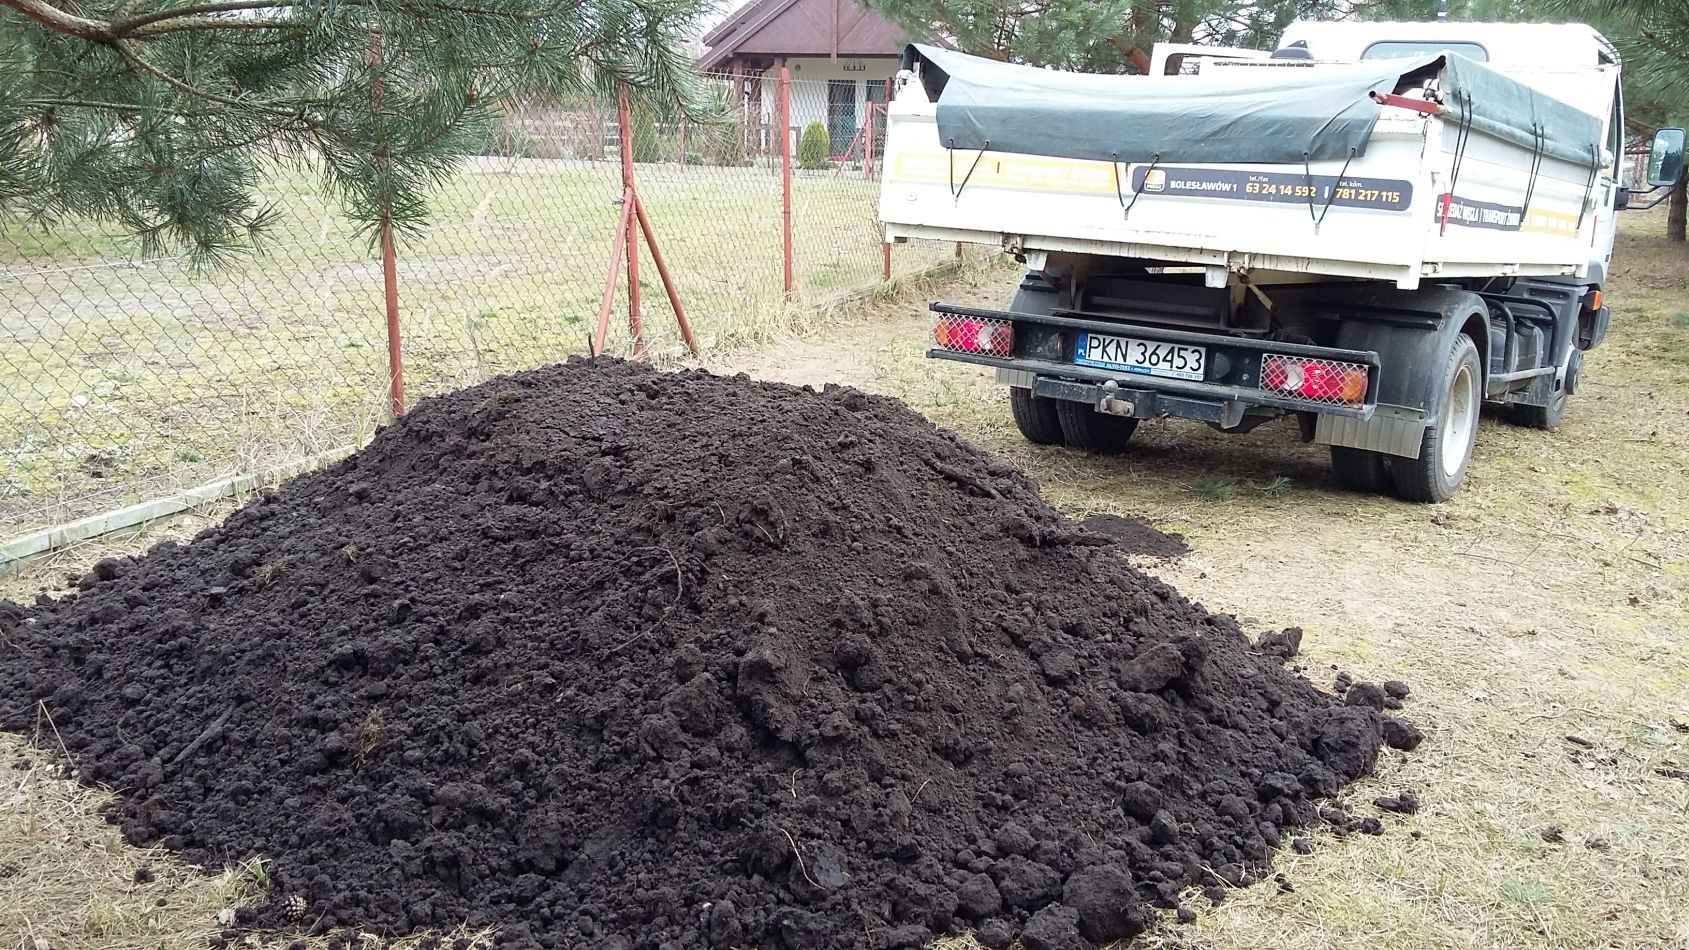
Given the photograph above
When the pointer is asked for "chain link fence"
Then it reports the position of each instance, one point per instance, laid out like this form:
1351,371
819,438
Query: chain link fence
127,379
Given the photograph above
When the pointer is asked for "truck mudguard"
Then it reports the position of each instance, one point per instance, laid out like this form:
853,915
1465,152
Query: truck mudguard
1411,331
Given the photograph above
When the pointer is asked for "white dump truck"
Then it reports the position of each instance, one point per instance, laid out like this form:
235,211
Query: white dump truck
1376,228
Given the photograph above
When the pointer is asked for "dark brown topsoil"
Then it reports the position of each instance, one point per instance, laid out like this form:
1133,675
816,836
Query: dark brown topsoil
610,658
1137,536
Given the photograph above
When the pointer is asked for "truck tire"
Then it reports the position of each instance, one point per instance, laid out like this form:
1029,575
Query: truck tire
1541,417
1088,430
1446,448
1035,417
1360,470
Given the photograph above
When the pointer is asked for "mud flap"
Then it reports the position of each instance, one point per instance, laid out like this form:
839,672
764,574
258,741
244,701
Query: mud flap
1392,430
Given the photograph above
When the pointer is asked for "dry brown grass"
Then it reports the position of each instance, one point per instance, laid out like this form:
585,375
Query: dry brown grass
1550,599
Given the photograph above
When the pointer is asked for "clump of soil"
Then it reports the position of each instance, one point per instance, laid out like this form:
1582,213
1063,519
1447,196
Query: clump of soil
614,658
1137,536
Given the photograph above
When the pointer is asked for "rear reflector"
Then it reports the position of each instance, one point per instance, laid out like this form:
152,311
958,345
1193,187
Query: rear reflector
1322,381
975,335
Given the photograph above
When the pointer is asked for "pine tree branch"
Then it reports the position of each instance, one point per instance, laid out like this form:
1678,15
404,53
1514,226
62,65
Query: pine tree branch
61,21
108,106
141,63
167,27
132,24
201,16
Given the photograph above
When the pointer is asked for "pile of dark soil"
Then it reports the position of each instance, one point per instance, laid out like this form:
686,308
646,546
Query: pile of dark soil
611,658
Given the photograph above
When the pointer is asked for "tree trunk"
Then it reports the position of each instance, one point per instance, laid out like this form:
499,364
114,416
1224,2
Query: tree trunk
1677,216
1132,52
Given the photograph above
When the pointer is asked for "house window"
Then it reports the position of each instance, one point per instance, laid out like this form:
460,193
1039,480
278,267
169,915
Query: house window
841,114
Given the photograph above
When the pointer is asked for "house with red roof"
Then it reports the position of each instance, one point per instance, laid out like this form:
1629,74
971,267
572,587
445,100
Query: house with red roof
840,54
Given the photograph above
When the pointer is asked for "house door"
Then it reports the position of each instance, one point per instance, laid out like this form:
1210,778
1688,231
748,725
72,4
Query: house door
876,101
841,114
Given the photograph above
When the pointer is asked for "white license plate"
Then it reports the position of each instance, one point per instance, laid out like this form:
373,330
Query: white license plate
1146,357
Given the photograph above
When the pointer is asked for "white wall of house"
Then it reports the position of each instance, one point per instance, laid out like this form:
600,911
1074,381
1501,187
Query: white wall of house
811,77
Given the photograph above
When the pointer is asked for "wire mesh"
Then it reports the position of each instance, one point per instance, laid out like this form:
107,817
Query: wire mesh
129,378
1327,382
983,335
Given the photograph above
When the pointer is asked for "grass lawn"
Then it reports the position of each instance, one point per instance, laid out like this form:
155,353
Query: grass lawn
125,378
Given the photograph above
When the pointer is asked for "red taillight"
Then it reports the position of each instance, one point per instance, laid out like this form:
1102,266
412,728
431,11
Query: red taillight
975,335
1324,381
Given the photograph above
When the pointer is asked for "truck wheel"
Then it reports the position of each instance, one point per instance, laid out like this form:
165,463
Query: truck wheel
1035,416
1089,430
1541,417
1446,447
1360,470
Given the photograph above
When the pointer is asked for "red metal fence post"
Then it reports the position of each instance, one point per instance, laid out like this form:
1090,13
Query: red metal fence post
786,172
630,199
868,148
395,352
626,242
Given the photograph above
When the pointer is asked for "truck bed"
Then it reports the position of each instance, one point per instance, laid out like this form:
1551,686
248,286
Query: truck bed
1387,213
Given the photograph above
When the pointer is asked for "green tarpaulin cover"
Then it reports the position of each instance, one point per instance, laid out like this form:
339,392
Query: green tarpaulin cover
1282,114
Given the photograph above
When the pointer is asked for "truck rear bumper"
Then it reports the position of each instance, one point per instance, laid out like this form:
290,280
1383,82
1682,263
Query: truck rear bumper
1140,396
1042,362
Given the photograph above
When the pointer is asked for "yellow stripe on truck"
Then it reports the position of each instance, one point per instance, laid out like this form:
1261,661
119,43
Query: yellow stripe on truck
998,170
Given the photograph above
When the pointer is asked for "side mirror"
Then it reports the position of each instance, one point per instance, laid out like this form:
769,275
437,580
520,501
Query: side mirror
1665,158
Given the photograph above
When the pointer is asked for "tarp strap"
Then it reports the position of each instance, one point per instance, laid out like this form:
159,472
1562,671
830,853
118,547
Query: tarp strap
1463,132
1589,186
1539,139
1308,176
1126,206
955,192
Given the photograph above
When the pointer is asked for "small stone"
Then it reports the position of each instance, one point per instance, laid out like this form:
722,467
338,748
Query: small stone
144,875
1396,689
1553,834
1302,845
1163,829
